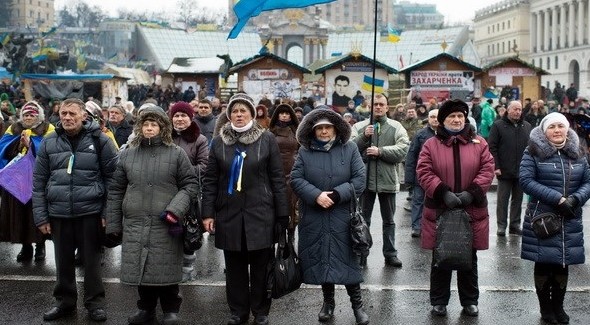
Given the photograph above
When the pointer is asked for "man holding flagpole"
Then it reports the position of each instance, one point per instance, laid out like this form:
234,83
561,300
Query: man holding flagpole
383,145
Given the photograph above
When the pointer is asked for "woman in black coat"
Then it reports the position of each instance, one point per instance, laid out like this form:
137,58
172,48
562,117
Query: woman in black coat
327,174
244,198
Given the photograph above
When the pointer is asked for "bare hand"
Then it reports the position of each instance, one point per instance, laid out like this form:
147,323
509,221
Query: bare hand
45,229
104,222
25,141
209,224
324,201
498,172
369,130
373,151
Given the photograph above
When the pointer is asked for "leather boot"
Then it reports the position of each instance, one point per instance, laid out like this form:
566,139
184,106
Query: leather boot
40,251
558,290
543,289
327,311
354,291
25,254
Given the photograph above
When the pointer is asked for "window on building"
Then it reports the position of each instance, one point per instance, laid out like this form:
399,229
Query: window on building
498,48
540,63
509,24
503,47
489,50
488,29
503,26
533,62
548,63
508,46
556,63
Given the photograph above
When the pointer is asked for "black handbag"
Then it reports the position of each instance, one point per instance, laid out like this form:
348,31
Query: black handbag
454,241
546,224
284,273
359,230
193,228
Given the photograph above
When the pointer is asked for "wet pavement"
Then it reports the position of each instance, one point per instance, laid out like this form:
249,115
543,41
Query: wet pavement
391,295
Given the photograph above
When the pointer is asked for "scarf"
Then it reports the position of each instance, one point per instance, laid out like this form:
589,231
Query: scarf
236,172
243,128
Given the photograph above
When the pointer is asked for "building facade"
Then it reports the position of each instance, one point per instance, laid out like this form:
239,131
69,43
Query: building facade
32,13
560,32
409,15
502,30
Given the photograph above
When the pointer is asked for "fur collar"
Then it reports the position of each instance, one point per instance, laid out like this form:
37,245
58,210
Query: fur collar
41,129
231,137
305,131
189,134
465,136
540,147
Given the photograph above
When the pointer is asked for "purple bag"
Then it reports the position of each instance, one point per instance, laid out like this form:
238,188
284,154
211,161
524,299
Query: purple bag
17,178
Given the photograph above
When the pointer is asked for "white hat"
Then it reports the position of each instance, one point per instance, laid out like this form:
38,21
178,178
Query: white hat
554,117
323,121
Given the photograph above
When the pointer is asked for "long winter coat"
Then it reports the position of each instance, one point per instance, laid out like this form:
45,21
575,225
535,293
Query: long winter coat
413,153
16,219
59,194
545,174
507,141
393,143
262,198
152,176
288,146
325,249
455,163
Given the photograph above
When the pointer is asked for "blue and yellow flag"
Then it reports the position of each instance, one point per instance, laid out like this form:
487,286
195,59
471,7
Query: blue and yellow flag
246,9
6,38
393,34
368,84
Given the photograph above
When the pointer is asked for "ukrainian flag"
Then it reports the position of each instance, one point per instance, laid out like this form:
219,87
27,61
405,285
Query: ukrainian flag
393,34
368,84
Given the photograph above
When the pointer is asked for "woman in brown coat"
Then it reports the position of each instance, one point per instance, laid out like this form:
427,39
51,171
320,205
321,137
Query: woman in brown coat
283,124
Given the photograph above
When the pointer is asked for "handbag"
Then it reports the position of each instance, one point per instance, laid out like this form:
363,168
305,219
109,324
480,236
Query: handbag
546,224
454,241
193,224
359,230
284,273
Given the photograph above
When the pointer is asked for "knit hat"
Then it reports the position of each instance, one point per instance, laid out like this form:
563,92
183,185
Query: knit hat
31,108
240,98
451,106
182,107
553,118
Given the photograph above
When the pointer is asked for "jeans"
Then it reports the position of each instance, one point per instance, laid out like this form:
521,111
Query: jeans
387,205
507,187
417,206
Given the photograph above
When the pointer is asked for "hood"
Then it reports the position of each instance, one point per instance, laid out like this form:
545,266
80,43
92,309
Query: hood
305,130
280,109
161,118
539,146
221,121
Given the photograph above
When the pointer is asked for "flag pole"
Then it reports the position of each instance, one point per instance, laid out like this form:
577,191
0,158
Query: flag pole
374,64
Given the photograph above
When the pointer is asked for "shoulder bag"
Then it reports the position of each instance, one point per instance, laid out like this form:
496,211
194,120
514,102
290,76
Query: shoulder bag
284,273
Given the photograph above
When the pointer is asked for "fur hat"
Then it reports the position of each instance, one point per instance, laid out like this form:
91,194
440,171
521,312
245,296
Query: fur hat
157,114
32,108
182,107
551,118
241,98
451,106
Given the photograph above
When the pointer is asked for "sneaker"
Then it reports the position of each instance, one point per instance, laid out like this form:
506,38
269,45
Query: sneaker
393,261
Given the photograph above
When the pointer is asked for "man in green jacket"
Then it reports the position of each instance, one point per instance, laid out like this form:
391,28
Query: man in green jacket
383,145
488,116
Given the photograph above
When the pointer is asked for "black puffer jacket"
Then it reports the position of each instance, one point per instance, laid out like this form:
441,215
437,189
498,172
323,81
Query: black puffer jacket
82,192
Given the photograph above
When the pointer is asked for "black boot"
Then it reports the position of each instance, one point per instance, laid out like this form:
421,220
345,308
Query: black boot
558,289
25,254
354,291
327,311
40,251
543,288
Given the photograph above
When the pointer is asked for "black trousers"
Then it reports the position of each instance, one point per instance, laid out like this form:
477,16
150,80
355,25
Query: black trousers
467,284
170,299
82,233
246,290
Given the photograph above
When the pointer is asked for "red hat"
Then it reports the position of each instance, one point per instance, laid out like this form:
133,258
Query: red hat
182,107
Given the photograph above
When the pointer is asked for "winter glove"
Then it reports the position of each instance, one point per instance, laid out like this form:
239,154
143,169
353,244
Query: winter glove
568,208
280,228
112,240
174,227
335,196
451,200
466,198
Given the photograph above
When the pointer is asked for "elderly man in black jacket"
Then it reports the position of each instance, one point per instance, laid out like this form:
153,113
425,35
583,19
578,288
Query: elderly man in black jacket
508,138
72,170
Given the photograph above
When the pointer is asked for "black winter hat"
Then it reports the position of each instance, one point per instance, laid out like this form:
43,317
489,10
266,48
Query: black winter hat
451,106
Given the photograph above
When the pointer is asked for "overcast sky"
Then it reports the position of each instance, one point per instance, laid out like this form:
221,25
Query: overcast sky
453,10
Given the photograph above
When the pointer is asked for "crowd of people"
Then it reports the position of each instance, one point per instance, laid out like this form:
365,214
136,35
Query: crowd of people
130,174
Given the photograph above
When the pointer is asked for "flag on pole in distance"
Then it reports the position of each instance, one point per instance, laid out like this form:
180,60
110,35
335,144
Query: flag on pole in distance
368,84
246,9
393,34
